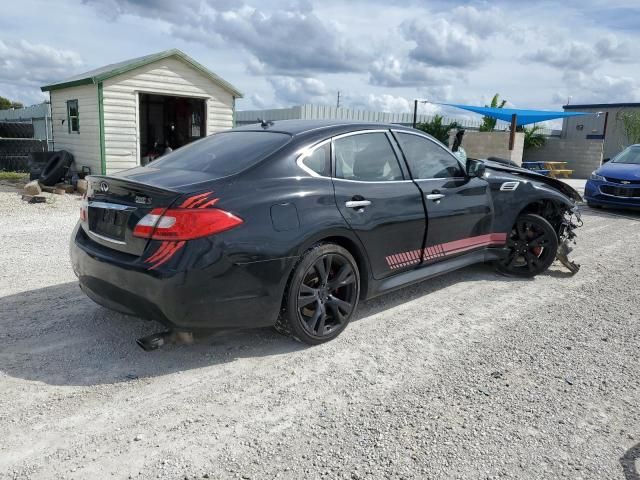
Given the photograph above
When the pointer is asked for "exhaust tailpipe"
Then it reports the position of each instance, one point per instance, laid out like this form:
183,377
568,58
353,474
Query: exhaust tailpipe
157,340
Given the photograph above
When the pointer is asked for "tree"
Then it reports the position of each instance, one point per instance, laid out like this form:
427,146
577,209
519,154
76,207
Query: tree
533,138
488,123
6,104
437,129
631,125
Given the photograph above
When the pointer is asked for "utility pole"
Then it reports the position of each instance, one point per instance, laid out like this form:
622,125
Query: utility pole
415,112
338,102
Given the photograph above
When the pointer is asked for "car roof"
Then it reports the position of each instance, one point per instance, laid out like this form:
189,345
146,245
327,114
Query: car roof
300,127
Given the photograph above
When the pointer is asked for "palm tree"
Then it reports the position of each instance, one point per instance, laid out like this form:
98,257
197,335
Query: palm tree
437,129
488,123
533,138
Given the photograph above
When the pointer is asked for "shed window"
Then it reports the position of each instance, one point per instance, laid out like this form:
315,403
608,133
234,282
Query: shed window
73,117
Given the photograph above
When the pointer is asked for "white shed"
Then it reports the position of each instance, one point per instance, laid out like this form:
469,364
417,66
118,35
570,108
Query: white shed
117,116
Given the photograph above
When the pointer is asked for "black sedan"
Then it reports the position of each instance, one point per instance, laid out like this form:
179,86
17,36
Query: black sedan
291,223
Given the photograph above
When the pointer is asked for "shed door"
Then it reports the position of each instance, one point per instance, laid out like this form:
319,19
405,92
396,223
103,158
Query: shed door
168,123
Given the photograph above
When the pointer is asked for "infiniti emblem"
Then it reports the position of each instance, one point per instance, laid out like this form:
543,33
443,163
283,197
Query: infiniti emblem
104,187
625,182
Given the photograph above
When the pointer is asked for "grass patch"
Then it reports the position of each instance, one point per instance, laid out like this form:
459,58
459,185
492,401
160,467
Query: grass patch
14,176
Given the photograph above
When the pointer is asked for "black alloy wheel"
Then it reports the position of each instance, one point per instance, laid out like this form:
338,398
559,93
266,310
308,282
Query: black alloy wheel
322,296
532,244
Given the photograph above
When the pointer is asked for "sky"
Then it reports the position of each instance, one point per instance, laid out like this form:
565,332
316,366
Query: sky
380,55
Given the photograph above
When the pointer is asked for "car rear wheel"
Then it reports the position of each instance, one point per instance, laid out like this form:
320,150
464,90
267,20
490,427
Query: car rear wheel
322,295
532,244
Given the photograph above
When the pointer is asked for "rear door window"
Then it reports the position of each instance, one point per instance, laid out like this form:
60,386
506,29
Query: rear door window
224,154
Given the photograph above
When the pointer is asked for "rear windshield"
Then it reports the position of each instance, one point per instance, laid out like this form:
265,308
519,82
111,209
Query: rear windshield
630,155
224,153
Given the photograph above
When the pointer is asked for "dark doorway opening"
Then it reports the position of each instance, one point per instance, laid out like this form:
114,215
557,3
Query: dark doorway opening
167,123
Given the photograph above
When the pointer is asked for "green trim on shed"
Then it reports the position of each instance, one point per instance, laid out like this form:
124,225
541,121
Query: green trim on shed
104,73
103,159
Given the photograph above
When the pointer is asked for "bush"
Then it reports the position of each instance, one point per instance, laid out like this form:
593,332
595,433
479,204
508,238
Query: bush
437,129
631,124
533,138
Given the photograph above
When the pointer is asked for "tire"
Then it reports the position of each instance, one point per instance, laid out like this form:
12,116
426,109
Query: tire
532,244
16,130
314,312
56,167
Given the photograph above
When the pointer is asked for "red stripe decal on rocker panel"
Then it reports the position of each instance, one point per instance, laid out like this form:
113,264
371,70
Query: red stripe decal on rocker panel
432,252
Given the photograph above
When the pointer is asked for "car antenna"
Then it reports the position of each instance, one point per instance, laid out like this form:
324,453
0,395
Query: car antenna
265,123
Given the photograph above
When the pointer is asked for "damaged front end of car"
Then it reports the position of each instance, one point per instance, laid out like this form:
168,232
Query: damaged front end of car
567,237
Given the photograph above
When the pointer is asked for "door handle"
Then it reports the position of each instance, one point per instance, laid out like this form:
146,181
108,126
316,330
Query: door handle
357,203
435,196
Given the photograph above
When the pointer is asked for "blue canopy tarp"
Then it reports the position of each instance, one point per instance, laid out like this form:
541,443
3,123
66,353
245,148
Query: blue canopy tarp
523,117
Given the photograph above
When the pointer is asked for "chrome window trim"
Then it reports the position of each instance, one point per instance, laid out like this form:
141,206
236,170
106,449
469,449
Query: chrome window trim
435,142
386,131
359,132
335,179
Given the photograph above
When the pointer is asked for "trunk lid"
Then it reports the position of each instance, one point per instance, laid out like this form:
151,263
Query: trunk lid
116,204
169,179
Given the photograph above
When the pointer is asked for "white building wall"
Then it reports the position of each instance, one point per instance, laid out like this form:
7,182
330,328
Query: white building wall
85,145
165,77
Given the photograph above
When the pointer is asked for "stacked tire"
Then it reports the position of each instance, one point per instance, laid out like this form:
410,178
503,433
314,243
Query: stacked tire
15,152
16,130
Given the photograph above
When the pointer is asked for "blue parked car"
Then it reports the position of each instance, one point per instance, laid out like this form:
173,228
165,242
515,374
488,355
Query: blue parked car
617,182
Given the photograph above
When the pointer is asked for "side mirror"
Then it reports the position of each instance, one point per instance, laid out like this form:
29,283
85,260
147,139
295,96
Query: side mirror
475,168
605,160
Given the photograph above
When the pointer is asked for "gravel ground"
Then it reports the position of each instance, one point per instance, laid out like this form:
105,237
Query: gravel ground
470,375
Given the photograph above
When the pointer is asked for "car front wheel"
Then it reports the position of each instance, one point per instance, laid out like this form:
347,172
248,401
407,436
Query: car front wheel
532,245
322,295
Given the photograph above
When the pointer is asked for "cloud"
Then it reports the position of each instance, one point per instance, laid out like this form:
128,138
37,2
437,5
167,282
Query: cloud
388,103
390,71
441,43
254,101
379,103
600,88
580,56
609,48
298,90
288,41
35,64
171,11
481,23
25,67
291,42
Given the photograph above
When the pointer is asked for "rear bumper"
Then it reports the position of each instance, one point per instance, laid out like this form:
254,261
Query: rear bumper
238,296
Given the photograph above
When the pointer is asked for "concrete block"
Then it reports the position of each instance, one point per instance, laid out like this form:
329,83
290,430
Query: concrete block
32,188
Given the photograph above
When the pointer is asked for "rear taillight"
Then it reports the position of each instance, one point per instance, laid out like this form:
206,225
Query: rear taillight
84,205
184,223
